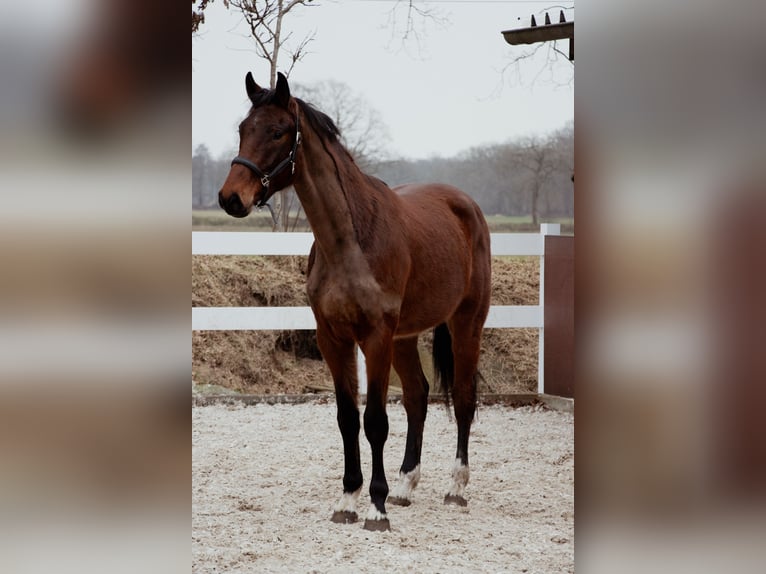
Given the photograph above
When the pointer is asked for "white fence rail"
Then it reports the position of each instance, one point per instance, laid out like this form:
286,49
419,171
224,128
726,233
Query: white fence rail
296,318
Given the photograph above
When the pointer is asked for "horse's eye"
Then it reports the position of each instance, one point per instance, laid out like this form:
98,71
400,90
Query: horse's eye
278,134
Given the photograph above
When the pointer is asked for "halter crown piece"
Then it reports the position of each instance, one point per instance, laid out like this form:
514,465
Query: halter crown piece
266,177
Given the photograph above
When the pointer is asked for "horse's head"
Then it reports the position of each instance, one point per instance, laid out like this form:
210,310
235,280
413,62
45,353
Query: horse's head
268,141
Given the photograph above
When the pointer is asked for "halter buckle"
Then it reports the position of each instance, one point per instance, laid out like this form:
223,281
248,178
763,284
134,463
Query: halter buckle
265,181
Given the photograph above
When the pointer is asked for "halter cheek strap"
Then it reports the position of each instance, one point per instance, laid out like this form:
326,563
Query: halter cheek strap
266,177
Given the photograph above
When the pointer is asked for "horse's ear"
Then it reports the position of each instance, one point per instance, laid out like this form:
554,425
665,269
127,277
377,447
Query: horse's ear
282,94
253,89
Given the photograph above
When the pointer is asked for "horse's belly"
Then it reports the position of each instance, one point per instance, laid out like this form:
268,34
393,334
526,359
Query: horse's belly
427,311
408,327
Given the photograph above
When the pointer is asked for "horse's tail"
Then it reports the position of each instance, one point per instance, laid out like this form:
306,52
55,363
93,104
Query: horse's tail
444,361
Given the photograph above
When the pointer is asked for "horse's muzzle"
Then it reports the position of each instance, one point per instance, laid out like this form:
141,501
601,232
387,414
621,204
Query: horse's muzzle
232,205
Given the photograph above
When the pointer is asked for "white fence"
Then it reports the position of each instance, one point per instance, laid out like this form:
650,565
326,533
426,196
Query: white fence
294,318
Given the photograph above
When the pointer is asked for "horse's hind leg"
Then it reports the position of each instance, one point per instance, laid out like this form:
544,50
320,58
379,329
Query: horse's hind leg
466,348
340,357
415,398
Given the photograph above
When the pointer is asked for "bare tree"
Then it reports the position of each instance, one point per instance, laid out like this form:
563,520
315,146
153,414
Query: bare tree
408,21
363,132
200,174
562,141
265,19
502,178
539,159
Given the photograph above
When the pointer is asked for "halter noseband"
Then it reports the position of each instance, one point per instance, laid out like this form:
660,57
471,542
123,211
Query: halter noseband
267,177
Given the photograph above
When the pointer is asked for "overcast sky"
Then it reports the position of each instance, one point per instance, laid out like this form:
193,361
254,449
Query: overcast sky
437,100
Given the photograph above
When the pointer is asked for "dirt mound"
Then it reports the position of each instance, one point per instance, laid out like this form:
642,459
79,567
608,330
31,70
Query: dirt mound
234,281
277,362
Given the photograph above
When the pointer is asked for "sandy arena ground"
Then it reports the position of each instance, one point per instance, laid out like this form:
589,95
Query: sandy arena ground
265,479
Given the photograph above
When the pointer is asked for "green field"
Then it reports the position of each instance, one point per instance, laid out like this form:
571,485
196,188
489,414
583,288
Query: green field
523,223
218,220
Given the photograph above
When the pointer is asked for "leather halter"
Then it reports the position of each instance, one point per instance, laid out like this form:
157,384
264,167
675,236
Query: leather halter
266,177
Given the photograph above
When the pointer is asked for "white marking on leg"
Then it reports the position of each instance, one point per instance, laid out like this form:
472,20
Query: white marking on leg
407,483
374,514
460,475
347,502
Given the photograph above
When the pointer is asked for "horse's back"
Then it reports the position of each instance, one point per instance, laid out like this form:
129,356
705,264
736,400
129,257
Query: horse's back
435,206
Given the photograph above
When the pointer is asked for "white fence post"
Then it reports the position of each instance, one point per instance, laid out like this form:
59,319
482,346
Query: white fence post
545,229
361,371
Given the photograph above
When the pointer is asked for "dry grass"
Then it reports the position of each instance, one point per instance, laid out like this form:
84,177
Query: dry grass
288,362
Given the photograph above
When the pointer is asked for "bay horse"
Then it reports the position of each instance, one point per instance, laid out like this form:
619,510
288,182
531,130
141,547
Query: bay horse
386,265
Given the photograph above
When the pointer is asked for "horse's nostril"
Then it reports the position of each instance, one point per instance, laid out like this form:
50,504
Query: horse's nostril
235,203
231,204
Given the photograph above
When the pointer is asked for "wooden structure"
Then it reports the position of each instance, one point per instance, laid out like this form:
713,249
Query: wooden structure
557,291
558,294
561,30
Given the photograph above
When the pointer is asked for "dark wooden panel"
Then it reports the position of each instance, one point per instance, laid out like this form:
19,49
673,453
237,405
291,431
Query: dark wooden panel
559,316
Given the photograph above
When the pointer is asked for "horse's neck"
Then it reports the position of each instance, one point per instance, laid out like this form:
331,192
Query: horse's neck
320,188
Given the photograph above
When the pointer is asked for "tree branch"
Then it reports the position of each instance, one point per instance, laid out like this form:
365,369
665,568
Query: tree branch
416,20
299,52
295,3
198,15
265,18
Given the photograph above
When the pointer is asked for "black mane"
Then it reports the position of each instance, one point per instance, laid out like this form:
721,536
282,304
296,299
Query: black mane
319,121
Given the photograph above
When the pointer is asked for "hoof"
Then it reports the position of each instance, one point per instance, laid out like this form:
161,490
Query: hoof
344,517
382,525
455,499
399,501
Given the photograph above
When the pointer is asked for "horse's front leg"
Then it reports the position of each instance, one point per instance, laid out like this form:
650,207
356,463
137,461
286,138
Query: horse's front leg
340,357
377,350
